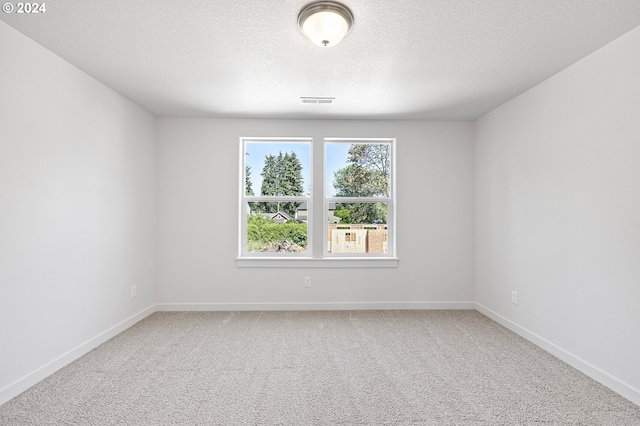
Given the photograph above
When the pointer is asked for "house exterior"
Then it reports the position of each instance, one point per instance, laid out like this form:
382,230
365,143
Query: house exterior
278,217
302,213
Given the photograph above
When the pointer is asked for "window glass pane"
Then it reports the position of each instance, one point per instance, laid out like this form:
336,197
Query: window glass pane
357,170
274,227
357,228
277,168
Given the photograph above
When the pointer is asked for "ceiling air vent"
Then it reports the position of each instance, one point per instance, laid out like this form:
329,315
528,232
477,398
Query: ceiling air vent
316,100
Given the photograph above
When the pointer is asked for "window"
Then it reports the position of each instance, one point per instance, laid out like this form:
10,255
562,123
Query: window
275,189
354,202
359,202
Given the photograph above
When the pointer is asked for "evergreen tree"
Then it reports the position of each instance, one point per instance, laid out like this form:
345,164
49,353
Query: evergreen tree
281,175
269,184
248,185
290,180
269,176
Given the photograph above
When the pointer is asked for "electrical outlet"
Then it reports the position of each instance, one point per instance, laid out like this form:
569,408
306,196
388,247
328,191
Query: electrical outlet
133,291
307,282
514,297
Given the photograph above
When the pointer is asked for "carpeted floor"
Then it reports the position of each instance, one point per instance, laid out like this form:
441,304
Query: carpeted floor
318,368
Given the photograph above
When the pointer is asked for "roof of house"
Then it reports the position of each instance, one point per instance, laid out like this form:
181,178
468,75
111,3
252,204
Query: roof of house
284,215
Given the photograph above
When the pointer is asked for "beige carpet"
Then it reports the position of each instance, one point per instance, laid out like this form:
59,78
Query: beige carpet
318,368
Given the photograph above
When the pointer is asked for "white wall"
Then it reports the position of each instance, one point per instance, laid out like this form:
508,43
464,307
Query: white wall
77,212
198,214
558,214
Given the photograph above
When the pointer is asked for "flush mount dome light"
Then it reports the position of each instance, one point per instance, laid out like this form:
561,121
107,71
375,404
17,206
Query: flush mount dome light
325,22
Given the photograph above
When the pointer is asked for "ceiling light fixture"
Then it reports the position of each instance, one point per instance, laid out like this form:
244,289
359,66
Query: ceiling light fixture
325,23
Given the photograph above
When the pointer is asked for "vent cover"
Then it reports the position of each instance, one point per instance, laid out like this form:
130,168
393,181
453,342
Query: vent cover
316,100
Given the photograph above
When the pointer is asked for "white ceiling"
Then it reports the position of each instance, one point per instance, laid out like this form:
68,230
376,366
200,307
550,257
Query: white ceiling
409,59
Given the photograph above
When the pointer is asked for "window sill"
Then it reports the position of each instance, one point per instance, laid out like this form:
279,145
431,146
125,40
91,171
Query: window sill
292,262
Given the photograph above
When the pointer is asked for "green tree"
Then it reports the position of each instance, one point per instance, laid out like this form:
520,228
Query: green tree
248,185
343,214
281,175
366,175
269,184
291,182
269,176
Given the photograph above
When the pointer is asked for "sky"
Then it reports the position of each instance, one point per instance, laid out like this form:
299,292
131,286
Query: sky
336,159
337,154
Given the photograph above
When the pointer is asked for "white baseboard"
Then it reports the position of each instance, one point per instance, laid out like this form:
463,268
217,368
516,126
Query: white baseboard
627,391
16,388
331,306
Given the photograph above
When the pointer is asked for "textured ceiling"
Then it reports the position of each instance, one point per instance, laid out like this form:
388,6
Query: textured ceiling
410,59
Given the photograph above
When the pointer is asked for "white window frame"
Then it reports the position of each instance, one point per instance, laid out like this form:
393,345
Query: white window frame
317,235
246,199
390,200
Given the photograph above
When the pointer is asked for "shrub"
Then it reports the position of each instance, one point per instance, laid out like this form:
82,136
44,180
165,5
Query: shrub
261,231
